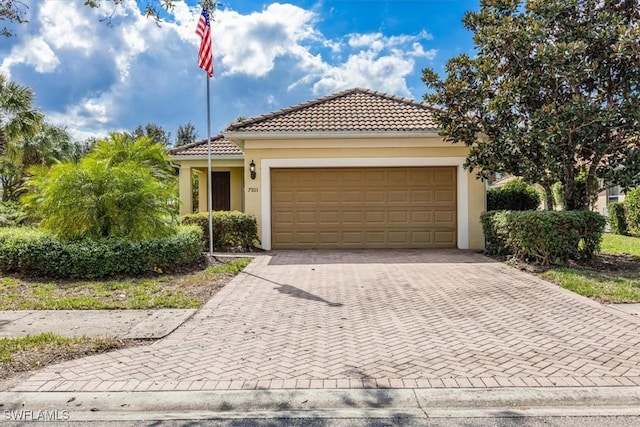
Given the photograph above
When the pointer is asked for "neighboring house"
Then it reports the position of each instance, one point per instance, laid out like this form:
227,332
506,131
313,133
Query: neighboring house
610,195
356,169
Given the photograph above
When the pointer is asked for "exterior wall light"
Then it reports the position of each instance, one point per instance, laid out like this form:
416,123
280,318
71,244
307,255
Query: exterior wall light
252,169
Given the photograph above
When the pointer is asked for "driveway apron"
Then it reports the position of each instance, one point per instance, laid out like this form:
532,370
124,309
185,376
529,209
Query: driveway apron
374,318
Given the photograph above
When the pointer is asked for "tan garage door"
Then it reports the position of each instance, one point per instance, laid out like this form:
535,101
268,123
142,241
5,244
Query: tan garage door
363,208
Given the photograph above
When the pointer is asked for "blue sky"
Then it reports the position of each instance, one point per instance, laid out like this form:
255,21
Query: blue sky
94,78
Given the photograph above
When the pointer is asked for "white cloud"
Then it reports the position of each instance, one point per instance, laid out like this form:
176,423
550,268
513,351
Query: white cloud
64,25
365,69
372,41
35,52
89,117
250,44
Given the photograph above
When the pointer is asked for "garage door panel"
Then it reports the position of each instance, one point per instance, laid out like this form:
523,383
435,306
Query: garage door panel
364,207
421,196
352,217
422,238
374,196
444,237
374,237
398,196
444,217
375,218
329,217
443,176
308,217
353,237
421,217
398,217
444,196
352,196
401,237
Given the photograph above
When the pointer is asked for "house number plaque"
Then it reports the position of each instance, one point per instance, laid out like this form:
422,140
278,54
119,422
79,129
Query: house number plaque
253,189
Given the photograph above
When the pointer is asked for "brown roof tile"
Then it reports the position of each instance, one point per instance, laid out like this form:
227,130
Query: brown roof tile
351,110
220,146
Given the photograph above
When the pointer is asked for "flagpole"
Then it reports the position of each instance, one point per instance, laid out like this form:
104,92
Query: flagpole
209,178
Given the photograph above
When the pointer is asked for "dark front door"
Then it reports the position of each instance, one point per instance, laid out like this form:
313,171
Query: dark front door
221,191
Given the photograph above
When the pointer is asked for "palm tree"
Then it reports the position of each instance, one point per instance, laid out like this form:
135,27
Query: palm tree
18,118
51,144
123,147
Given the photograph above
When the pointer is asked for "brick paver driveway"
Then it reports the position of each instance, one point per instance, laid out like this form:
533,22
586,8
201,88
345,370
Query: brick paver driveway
401,318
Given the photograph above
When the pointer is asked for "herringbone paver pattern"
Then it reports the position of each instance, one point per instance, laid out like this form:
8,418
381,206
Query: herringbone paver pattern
354,319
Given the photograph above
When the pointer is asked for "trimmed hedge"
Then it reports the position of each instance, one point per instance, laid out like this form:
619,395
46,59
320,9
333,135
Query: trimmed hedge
617,218
515,195
36,253
232,230
543,237
632,206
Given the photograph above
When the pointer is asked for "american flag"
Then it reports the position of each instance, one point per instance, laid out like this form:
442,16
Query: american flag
205,55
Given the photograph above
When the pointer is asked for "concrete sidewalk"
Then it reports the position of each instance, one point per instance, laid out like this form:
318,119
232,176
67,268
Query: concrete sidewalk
131,324
352,404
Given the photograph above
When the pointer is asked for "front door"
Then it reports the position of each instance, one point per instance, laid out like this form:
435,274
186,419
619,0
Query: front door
221,191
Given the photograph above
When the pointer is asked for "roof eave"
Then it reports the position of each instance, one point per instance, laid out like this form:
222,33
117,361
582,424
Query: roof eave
238,137
206,157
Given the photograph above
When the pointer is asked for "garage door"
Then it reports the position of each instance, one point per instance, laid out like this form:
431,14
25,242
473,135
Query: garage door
363,207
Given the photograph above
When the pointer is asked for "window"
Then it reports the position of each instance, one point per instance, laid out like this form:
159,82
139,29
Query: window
613,193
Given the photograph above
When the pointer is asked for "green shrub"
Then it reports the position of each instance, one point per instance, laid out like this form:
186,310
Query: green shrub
632,206
36,253
12,214
495,238
232,230
617,218
515,195
543,237
124,188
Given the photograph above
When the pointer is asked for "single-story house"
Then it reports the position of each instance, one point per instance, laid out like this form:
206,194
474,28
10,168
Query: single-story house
356,169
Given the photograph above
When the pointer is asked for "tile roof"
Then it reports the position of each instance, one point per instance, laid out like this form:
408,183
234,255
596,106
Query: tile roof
351,110
220,146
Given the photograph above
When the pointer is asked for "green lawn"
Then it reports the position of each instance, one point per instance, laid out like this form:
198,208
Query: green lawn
616,244
187,290
617,280
35,351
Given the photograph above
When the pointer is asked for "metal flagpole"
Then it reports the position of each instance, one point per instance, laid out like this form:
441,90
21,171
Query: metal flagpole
209,178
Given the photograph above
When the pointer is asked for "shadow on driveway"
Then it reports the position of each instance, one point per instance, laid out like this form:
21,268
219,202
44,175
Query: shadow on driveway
296,292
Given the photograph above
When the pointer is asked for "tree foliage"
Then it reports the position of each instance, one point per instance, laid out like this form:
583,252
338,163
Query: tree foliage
123,188
552,93
186,134
18,117
155,132
51,144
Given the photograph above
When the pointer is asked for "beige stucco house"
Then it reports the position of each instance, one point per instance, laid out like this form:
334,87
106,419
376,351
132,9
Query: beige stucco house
356,169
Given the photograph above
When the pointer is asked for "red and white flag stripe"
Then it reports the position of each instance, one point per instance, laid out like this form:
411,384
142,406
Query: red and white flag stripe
205,55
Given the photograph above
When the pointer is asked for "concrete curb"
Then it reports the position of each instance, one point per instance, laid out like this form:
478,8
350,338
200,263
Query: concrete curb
339,403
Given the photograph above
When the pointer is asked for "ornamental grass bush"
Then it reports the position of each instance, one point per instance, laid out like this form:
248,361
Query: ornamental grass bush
232,230
37,253
543,237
